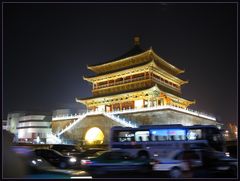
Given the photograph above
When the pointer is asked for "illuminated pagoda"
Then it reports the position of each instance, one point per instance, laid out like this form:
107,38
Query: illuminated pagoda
137,88
135,80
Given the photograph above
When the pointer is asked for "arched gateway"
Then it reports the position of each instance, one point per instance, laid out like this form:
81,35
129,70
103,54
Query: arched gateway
94,136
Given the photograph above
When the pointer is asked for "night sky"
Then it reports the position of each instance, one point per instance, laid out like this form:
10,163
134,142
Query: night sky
47,47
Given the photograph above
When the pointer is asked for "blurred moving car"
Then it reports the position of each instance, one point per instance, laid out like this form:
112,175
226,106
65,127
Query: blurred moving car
217,163
39,168
35,164
232,150
57,159
174,163
38,163
212,162
70,150
114,161
90,152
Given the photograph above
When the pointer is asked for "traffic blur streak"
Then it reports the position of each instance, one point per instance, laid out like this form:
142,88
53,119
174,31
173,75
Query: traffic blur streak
69,150
216,164
18,162
40,168
57,159
115,161
13,165
89,152
197,163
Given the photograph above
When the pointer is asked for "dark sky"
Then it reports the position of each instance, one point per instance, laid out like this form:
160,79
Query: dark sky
47,48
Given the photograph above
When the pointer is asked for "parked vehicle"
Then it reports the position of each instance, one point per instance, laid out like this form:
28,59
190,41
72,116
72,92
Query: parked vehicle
213,162
114,161
57,159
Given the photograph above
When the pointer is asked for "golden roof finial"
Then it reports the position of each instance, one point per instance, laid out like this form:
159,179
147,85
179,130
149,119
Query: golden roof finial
136,40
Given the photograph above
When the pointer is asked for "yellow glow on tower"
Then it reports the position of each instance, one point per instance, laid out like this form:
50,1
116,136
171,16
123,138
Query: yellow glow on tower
94,136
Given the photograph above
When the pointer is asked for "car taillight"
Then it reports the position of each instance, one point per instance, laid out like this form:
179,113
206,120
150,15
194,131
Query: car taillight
86,162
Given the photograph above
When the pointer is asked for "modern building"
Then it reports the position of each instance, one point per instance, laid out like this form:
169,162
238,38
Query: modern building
12,121
136,88
34,128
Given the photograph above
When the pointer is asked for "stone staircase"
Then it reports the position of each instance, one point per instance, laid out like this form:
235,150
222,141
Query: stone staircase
53,139
122,121
115,118
80,118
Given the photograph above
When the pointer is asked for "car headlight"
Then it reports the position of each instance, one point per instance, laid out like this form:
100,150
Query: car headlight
72,159
34,162
227,154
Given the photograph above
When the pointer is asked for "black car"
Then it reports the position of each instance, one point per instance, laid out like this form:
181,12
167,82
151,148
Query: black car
57,159
218,163
90,152
69,150
114,161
